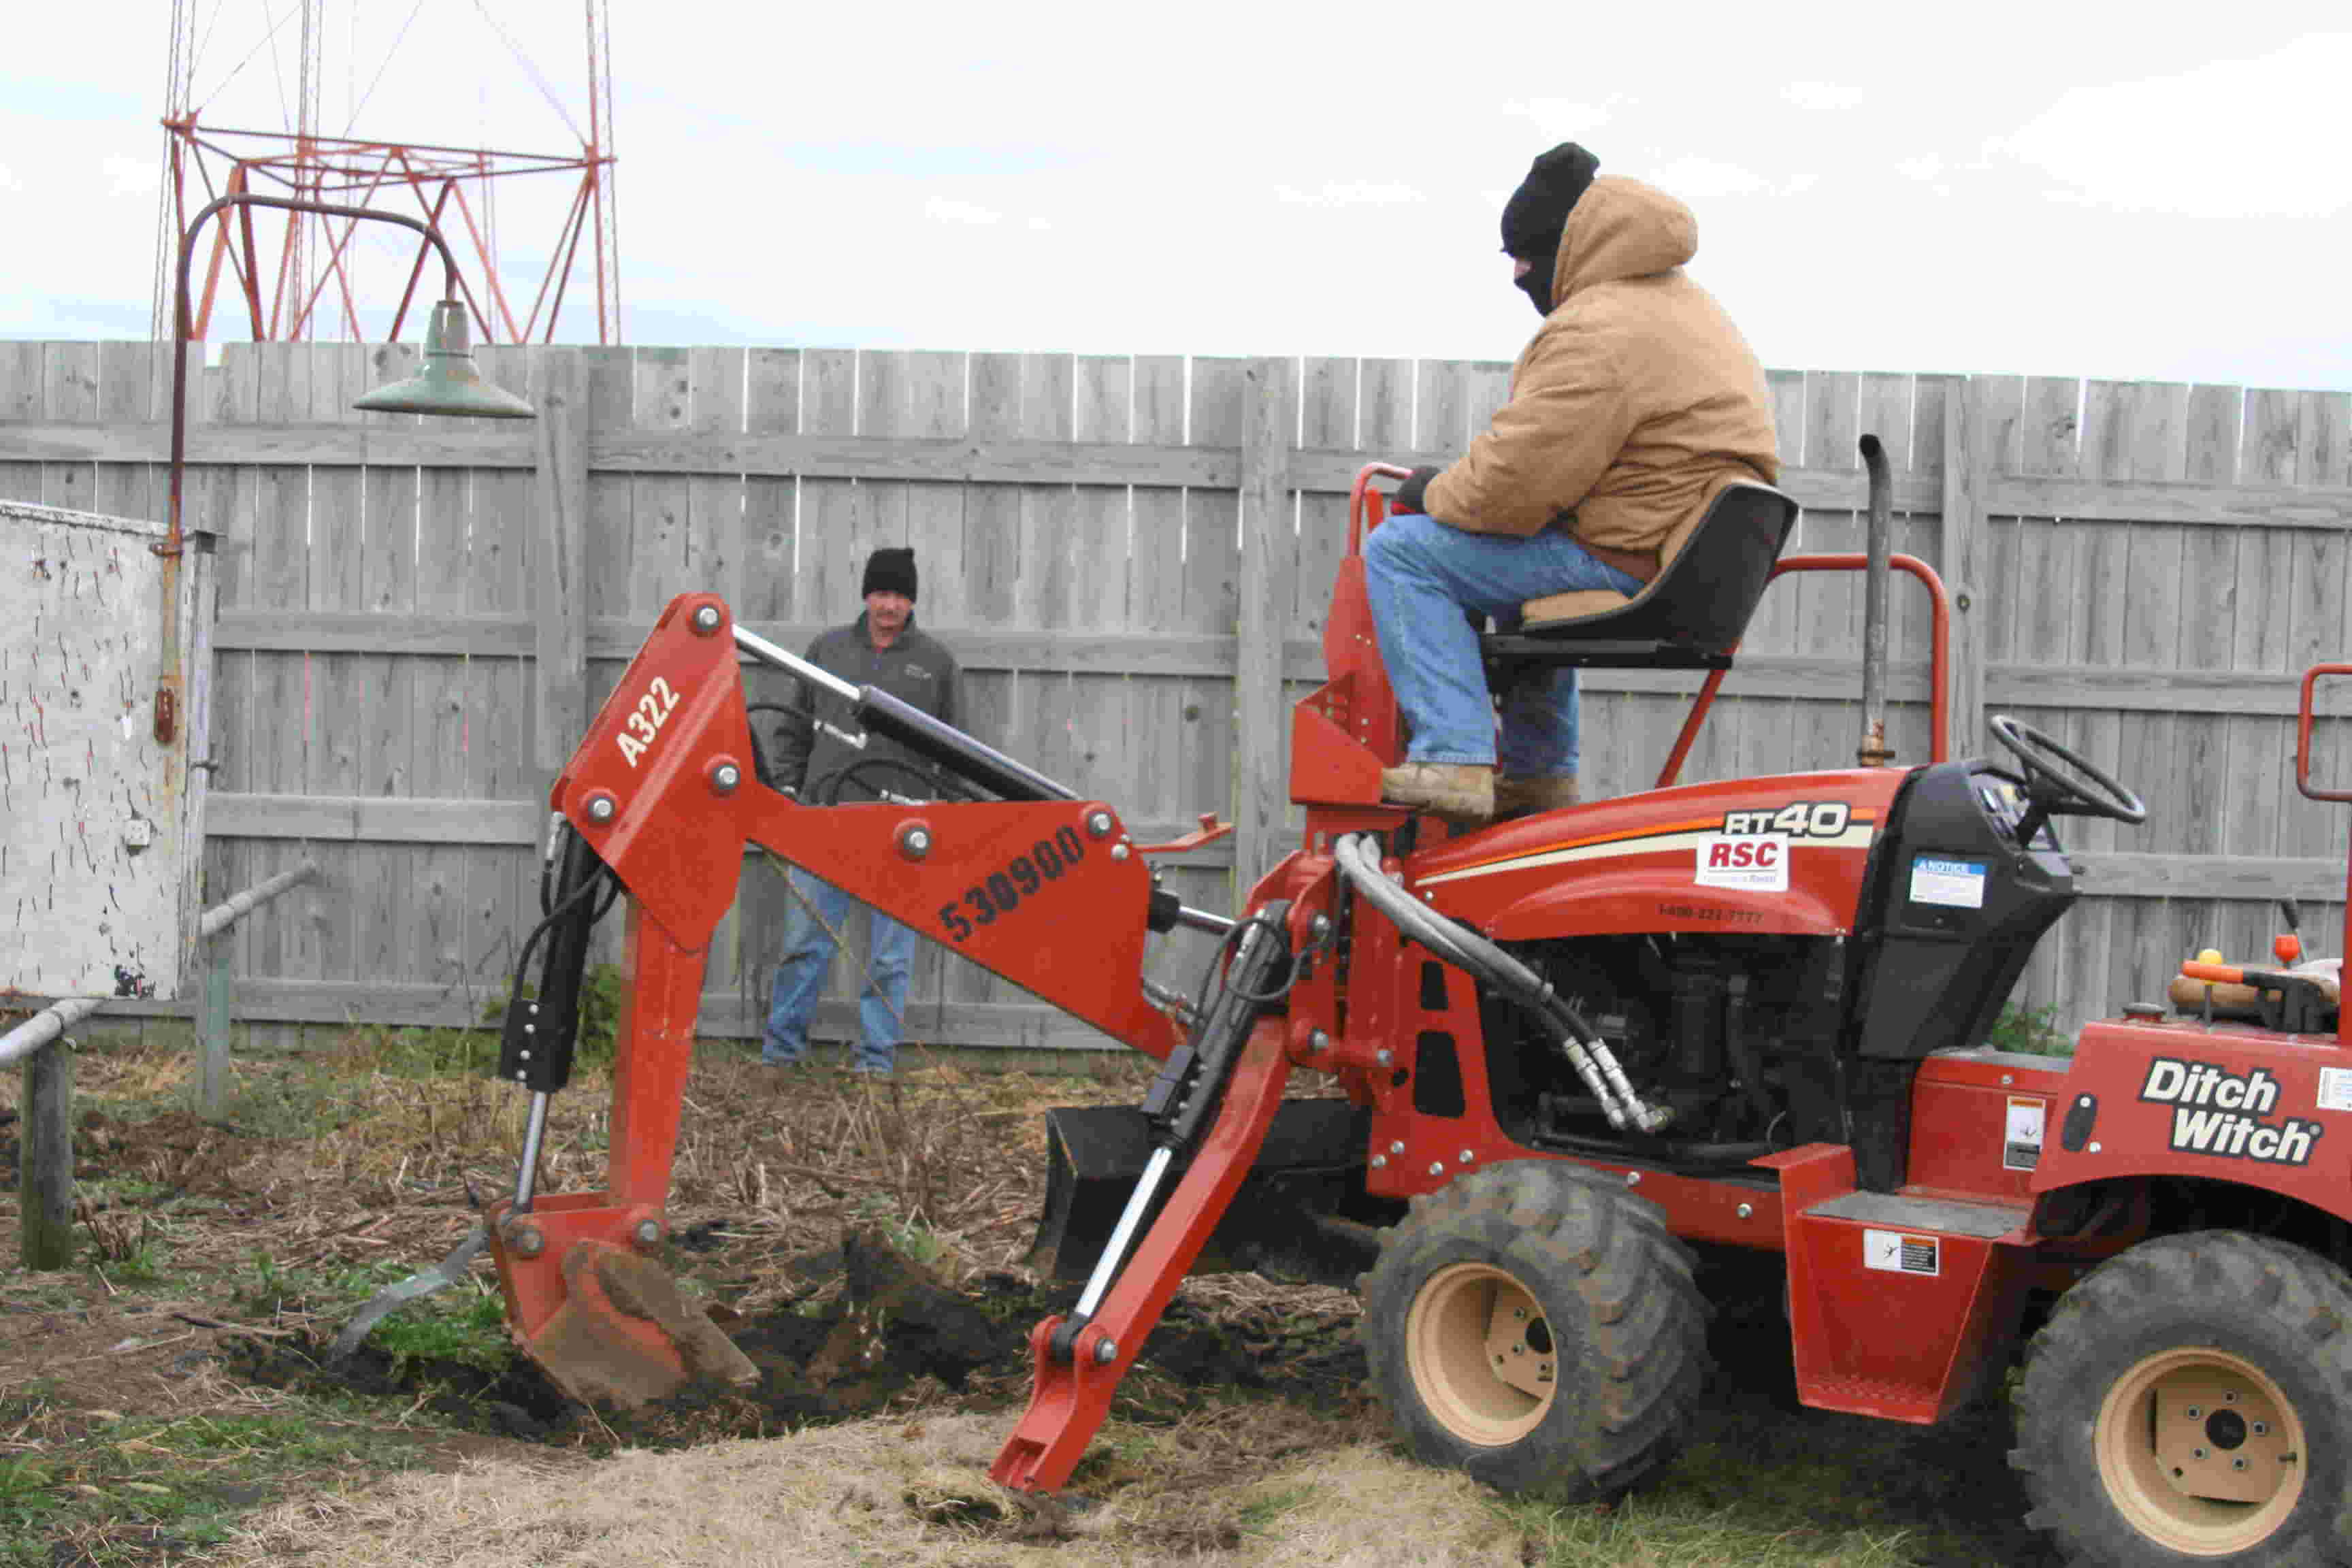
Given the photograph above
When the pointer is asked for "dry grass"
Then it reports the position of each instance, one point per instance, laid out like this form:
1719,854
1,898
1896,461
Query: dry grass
363,1151
916,1494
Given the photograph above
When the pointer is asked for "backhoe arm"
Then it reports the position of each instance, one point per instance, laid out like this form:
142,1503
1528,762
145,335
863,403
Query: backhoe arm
1044,889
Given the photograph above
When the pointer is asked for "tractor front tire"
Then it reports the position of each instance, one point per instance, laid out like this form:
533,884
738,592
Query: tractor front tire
1535,1325
2191,1401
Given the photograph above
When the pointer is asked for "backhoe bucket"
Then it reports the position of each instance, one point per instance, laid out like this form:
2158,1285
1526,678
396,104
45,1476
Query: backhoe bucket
1289,1214
606,1324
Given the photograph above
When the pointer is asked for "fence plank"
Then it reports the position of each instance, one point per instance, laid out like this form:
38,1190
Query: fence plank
126,382
2047,596
69,396
1213,596
1102,705
20,405
379,887
770,527
1267,545
442,702
558,574
342,699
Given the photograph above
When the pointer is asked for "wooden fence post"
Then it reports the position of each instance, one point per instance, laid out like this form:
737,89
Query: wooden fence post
1961,559
1259,736
46,1153
559,574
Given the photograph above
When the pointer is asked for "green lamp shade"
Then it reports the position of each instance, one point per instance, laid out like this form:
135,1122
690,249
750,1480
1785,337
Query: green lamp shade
448,383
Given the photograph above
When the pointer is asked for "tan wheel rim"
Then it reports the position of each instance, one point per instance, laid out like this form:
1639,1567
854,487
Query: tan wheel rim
1482,1354
2200,1451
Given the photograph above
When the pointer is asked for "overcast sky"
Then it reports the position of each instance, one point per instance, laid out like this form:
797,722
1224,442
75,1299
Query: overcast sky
2057,188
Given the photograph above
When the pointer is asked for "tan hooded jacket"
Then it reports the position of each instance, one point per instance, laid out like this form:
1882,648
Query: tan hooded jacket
1635,401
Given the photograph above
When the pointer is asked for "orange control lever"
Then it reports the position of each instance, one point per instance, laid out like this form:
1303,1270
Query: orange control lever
1209,832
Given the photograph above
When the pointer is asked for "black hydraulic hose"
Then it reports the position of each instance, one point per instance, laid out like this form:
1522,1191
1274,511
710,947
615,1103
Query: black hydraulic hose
1458,945
1467,951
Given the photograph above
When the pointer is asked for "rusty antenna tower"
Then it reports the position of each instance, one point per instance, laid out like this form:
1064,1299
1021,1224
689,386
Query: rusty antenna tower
290,276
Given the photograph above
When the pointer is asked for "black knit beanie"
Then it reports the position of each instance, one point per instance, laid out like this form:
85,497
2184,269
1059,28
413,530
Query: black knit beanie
889,571
1537,211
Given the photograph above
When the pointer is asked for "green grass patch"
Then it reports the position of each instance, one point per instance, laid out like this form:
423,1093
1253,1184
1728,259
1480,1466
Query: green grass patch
464,1324
467,1326
1260,1516
1667,1529
141,1490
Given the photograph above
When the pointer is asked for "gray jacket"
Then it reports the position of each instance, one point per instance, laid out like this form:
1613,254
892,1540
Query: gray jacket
821,751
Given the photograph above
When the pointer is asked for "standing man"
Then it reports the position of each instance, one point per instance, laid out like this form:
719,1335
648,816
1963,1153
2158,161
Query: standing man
1635,403
824,758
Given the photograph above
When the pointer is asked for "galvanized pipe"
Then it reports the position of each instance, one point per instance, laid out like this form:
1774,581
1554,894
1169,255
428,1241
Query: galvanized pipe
1873,751
48,1025
227,913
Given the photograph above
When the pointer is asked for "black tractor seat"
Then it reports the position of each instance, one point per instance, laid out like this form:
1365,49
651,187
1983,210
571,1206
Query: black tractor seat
1713,568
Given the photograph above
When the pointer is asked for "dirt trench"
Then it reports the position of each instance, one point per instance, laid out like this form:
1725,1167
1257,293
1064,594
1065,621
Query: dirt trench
893,1338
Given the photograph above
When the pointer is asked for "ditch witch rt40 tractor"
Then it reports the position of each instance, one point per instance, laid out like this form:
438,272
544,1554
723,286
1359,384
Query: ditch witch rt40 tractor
1570,1052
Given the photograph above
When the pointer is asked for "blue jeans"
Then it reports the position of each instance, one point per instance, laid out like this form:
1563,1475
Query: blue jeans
1422,575
808,954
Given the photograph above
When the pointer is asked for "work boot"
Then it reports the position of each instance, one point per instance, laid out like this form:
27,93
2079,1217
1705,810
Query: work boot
1458,791
1527,797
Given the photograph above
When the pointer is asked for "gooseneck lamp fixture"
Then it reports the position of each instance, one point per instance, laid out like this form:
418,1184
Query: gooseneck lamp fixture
446,383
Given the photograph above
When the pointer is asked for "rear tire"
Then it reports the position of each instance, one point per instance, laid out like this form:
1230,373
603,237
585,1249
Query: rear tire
1535,1324
2191,1401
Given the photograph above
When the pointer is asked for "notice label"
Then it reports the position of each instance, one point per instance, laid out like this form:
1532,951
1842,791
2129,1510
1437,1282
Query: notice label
2020,1148
1758,861
1961,884
2335,1088
1897,1253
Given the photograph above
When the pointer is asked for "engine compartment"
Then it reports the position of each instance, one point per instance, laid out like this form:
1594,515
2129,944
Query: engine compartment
1765,1041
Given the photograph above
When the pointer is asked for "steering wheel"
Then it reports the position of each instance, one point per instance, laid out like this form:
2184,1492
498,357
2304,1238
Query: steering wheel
2059,782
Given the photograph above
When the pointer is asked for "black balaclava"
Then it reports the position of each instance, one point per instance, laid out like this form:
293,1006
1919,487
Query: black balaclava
1537,211
889,571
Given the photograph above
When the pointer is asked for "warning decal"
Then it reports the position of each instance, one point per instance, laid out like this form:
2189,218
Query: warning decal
1957,884
1897,1253
2020,1147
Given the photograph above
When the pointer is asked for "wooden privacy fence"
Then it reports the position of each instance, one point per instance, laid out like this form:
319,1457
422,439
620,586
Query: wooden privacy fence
1130,555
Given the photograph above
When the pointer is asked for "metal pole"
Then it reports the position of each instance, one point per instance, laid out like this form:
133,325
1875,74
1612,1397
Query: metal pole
527,1178
215,989
1873,751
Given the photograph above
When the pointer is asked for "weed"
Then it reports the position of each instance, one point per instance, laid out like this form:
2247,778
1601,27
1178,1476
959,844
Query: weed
129,1251
2032,1030
468,1331
432,1053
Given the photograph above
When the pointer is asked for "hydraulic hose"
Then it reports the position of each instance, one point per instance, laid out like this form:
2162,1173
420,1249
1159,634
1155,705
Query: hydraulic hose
1457,944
